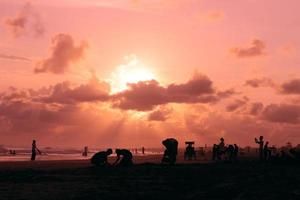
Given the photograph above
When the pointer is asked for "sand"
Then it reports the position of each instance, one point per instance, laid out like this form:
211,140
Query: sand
77,179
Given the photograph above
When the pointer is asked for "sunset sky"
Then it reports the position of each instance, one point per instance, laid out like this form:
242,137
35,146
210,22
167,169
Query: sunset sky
129,73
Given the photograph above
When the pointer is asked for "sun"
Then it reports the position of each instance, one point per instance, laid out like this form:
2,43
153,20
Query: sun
131,72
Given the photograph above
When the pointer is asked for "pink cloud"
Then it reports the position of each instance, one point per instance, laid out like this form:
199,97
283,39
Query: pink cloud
282,113
256,49
291,87
64,52
260,82
27,20
146,95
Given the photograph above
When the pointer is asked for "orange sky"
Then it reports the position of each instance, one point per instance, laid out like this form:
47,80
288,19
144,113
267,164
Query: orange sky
132,72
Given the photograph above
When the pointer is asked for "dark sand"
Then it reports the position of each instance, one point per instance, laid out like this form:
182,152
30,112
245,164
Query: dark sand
44,180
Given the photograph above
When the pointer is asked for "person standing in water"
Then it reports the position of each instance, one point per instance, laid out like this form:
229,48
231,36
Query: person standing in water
34,149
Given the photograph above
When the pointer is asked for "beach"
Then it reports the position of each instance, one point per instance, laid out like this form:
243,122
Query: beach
148,179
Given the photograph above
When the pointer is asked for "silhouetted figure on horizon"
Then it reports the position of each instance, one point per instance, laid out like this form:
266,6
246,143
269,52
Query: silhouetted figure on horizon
261,146
267,151
236,152
222,147
215,150
170,153
85,151
100,158
190,152
34,149
126,159
295,153
143,150
230,152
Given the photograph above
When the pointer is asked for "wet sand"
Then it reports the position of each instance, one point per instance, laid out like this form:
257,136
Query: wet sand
77,179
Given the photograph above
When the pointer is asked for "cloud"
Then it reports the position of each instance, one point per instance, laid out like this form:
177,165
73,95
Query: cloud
27,20
145,95
64,52
237,104
211,15
256,49
290,87
160,114
282,113
63,93
260,82
255,108
13,57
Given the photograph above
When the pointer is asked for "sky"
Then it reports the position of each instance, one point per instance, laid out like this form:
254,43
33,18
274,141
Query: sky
130,73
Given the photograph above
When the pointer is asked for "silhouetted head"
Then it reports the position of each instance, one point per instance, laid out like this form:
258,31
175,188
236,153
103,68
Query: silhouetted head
109,151
235,145
267,143
261,137
33,141
118,151
222,139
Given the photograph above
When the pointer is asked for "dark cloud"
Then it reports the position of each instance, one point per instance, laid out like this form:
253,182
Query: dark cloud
236,105
256,48
255,108
13,57
282,113
64,52
146,95
260,82
63,93
160,114
291,87
27,20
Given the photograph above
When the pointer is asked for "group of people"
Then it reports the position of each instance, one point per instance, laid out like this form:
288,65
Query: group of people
124,158
220,150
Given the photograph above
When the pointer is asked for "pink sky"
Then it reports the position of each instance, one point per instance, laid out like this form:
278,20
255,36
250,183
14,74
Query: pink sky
220,68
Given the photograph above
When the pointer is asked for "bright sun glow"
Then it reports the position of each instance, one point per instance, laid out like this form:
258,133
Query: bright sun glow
131,72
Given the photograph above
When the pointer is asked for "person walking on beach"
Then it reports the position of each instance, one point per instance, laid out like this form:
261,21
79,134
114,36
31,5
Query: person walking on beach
100,158
126,159
34,149
261,146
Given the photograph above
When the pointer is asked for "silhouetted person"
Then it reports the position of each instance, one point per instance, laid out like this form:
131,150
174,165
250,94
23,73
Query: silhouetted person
215,150
143,150
261,146
230,151
189,152
236,151
170,153
222,147
125,156
295,153
267,151
100,158
34,149
85,151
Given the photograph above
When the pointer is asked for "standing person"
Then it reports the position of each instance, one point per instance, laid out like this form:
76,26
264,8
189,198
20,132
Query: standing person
267,151
261,146
236,151
143,150
126,159
34,149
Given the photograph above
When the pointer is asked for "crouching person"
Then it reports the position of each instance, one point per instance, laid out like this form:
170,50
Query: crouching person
124,158
100,158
